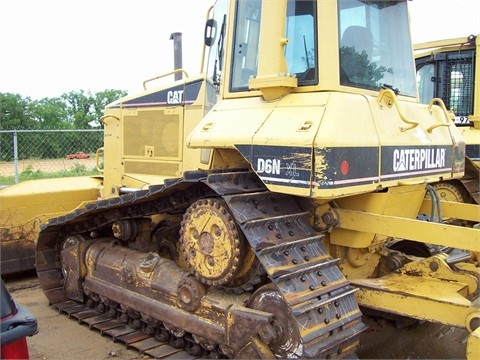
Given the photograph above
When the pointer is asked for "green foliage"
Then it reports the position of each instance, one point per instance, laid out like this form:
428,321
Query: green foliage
76,110
73,110
15,112
49,113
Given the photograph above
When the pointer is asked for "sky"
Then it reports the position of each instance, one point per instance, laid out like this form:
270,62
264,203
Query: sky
51,47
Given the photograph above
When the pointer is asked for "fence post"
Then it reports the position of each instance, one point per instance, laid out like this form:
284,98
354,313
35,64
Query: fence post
15,156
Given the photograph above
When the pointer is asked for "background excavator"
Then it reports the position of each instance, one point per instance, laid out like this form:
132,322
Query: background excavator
251,211
447,69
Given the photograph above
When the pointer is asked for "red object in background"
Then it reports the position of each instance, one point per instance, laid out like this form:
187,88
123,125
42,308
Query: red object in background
78,155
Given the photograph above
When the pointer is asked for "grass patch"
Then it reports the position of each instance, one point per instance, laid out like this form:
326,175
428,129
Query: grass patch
30,174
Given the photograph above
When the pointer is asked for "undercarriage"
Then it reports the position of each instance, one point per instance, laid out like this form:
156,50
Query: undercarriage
211,263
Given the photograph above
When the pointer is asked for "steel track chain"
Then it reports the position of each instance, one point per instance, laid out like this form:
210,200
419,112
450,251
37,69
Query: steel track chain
318,295
121,332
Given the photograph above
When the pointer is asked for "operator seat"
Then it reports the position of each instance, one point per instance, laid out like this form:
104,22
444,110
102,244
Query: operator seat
356,41
359,38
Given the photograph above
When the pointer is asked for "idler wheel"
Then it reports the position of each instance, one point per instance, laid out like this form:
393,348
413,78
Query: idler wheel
449,191
211,245
281,335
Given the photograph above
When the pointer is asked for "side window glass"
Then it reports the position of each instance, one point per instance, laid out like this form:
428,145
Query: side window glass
246,40
426,83
302,47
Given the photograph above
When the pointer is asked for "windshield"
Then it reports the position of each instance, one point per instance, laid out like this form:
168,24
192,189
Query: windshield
375,45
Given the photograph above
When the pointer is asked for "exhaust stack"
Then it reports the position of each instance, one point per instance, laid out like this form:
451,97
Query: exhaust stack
177,53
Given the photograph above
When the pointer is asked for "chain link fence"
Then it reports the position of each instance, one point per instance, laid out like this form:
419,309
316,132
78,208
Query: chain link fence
47,151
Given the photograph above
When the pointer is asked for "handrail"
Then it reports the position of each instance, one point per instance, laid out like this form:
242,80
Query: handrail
163,75
97,158
449,115
102,119
202,62
393,98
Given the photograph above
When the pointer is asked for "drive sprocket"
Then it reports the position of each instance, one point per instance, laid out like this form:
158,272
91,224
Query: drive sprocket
211,245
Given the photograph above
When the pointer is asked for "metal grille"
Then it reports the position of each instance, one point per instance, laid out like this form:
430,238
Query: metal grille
455,85
154,129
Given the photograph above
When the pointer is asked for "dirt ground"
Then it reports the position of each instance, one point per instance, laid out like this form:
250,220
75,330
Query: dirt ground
45,165
60,337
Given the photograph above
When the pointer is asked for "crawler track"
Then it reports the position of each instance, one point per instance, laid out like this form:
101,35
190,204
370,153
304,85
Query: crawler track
327,321
121,332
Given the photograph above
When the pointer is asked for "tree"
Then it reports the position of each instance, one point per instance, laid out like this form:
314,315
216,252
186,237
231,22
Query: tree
50,113
84,110
79,108
73,110
102,99
15,112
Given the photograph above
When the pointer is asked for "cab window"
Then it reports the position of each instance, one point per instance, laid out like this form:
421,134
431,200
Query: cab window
300,53
302,47
373,53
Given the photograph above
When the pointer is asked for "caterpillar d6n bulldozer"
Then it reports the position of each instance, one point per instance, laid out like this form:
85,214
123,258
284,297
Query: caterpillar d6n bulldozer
253,211
447,69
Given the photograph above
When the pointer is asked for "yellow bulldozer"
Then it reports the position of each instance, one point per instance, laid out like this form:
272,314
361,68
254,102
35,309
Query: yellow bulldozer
253,211
446,69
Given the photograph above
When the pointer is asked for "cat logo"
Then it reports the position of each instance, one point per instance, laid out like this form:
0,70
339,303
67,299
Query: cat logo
175,97
418,159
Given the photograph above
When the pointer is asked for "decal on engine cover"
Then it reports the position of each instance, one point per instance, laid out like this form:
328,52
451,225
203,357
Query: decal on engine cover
281,165
405,161
337,167
177,95
293,166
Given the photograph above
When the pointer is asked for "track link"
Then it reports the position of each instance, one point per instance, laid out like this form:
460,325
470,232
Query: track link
121,332
318,296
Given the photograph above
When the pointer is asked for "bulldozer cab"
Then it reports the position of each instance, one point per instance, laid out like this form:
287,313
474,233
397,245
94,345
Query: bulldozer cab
308,70
289,46
448,72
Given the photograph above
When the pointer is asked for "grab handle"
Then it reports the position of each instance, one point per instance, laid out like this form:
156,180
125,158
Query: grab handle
391,99
97,159
445,111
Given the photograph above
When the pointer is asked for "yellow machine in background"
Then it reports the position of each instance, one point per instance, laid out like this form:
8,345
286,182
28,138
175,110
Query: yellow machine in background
250,212
25,206
447,69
